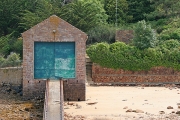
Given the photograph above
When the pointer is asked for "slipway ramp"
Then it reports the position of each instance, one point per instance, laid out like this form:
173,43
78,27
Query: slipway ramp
53,104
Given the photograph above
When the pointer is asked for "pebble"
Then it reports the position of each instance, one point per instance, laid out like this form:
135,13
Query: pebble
173,112
139,111
161,112
178,112
125,107
129,110
169,107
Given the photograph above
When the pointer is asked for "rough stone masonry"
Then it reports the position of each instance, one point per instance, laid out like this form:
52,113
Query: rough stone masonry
156,75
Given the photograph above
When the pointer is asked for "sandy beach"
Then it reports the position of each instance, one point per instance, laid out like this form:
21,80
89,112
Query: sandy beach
102,103
127,103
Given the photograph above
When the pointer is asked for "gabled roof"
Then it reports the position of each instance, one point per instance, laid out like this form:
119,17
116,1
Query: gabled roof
56,24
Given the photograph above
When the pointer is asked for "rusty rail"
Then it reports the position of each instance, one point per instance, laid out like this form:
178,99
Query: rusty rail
54,101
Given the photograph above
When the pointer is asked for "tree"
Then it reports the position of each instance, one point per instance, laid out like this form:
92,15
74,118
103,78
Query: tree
6,44
10,44
84,14
122,10
138,9
10,15
144,36
164,9
42,10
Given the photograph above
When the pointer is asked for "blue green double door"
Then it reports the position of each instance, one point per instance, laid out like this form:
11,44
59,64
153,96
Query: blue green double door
53,60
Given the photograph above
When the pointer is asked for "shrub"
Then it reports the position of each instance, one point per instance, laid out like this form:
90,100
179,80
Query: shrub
98,52
169,44
101,33
18,46
12,60
2,59
116,55
159,24
4,45
170,33
176,34
171,30
121,56
10,44
118,47
144,36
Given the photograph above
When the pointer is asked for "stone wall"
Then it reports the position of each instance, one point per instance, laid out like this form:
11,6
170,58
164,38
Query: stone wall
157,75
54,29
124,35
11,75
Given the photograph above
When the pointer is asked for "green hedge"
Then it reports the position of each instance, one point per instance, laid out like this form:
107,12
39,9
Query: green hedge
121,56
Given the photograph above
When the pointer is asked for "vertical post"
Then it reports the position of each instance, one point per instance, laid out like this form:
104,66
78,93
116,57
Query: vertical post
61,100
